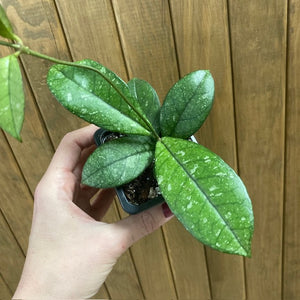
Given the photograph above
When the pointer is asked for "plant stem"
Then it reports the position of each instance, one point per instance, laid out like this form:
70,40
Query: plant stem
7,44
26,50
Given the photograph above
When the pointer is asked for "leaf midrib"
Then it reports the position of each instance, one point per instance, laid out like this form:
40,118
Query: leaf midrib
69,77
205,194
116,161
139,115
187,103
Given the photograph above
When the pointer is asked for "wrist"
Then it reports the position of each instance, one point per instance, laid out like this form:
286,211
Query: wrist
33,284
41,280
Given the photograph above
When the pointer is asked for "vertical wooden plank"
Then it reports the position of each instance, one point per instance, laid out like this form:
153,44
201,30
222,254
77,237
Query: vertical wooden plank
146,36
5,292
147,41
258,34
16,200
16,206
291,274
11,256
188,263
152,264
202,42
93,34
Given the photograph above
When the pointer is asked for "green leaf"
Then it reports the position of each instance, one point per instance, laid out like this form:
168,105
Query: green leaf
148,100
11,96
5,26
98,99
187,105
118,161
205,194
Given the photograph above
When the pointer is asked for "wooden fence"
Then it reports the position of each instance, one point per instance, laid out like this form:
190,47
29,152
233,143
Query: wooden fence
252,50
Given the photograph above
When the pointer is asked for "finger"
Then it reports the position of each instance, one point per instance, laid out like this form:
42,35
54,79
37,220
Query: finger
69,150
101,204
83,158
139,225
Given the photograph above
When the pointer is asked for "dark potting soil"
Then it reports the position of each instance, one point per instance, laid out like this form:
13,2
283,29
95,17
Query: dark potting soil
142,188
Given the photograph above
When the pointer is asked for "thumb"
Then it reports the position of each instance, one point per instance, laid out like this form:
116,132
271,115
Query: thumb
139,225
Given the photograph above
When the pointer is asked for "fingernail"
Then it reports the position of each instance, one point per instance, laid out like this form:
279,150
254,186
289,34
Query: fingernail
166,210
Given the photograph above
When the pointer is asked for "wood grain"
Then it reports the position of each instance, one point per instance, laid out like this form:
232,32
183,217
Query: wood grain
202,42
147,41
11,257
258,34
102,294
5,292
91,32
244,46
188,262
291,271
16,200
15,218
152,264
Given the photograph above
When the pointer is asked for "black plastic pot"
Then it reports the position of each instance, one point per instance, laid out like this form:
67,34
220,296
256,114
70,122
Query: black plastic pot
100,137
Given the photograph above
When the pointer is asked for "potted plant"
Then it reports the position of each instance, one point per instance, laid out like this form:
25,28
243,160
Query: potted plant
203,192
141,193
138,194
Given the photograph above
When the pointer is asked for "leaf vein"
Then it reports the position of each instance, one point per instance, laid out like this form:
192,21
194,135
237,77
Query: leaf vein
204,193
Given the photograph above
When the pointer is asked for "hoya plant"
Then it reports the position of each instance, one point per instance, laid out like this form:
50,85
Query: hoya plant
203,192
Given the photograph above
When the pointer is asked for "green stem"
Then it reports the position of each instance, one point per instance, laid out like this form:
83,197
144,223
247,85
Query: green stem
7,44
27,50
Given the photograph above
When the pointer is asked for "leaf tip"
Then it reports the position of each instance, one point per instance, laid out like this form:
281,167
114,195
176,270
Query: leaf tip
19,138
248,253
245,252
15,135
6,29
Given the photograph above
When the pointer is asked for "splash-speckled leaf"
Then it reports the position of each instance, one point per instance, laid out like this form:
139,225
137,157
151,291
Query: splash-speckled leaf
205,194
118,161
148,100
98,99
6,29
187,105
11,96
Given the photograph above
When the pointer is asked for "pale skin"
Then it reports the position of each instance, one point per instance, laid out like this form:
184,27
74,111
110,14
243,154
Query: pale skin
71,251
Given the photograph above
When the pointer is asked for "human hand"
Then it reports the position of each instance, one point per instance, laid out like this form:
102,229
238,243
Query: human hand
70,250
